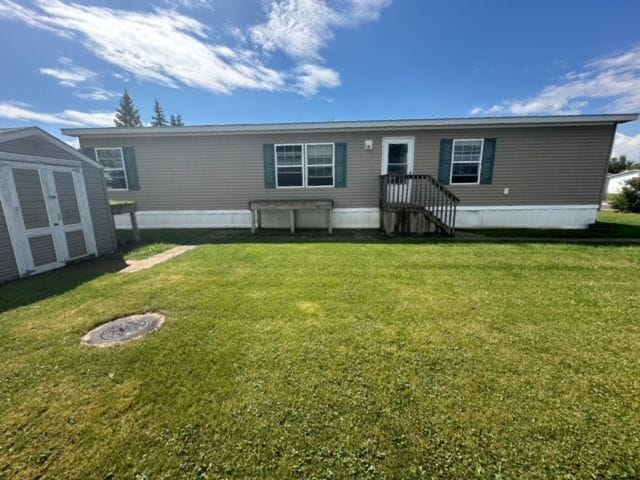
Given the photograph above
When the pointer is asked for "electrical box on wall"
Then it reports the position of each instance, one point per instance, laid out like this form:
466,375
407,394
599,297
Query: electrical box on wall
506,191
368,145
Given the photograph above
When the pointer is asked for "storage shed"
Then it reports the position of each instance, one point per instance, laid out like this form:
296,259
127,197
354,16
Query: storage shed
54,206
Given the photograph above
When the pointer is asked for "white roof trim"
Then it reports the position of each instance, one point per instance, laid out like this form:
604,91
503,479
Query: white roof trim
18,133
499,122
623,174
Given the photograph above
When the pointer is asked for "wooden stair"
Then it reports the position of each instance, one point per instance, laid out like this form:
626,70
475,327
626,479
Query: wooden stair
408,198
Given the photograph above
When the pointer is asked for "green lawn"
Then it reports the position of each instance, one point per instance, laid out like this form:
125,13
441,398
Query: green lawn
153,242
611,225
331,360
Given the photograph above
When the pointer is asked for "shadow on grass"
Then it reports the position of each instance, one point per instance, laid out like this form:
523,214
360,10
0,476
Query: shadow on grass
230,236
22,292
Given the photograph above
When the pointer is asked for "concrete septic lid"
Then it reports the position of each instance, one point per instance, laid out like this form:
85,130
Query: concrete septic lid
123,329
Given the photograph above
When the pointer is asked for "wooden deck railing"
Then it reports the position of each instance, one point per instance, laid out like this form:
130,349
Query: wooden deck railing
420,194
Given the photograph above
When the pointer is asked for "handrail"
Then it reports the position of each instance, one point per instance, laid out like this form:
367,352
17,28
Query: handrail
421,194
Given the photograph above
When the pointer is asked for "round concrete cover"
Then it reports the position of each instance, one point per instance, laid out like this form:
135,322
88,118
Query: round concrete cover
123,329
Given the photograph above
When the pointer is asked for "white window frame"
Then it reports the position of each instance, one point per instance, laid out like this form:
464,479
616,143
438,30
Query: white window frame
302,162
411,146
305,166
123,169
333,165
453,149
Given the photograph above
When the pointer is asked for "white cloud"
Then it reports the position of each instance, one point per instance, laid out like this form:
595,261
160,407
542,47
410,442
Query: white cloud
97,93
614,79
160,46
190,4
70,75
302,28
628,145
71,118
312,78
174,50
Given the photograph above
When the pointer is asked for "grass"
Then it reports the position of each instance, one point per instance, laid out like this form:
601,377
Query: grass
328,361
153,242
609,225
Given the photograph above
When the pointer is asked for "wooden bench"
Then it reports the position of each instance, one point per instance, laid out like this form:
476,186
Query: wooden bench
258,206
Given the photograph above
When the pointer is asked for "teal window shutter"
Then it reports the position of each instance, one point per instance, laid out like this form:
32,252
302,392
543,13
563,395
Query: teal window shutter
488,156
341,165
90,152
131,167
444,166
269,166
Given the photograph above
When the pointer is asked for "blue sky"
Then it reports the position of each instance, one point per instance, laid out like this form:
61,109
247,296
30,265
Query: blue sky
237,61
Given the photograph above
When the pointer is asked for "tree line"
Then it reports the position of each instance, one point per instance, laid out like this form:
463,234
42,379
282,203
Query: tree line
621,164
128,115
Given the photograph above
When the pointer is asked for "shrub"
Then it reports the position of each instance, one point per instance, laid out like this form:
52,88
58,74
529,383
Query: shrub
628,200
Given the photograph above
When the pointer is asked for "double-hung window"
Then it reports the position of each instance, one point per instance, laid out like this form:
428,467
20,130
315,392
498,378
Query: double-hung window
289,166
466,161
114,171
305,165
320,161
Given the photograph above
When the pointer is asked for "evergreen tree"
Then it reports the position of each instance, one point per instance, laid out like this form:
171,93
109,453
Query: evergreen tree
158,119
127,115
617,165
176,121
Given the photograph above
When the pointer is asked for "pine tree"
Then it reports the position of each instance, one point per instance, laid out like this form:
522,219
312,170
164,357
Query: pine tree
127,115
176,121
158,119
617,165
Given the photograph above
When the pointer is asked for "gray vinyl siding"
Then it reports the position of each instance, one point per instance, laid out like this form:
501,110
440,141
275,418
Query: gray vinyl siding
36,145
31,198
67,198
43,250
76,243
8,267
101,217
539,166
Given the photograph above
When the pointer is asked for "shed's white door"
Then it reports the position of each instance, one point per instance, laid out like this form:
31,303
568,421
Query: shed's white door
47,215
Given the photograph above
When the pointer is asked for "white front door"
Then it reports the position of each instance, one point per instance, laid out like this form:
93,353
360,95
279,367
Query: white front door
397,155
47,215
397,159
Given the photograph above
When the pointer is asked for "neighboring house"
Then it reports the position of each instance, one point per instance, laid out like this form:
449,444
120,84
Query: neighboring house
53,204
616,181
507,172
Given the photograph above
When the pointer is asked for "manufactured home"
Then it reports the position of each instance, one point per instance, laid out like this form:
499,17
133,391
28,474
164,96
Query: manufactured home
540,172
54,206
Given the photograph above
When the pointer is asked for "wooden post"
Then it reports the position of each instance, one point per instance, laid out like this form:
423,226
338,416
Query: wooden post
292,220
259,212
134,227
330,220
253,222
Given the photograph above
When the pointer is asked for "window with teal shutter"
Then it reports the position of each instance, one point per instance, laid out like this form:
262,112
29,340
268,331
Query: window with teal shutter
341,165
269,166
131,167
444,165
488,159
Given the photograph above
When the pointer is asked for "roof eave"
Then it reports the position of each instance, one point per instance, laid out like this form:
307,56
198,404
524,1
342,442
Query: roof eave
429,124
